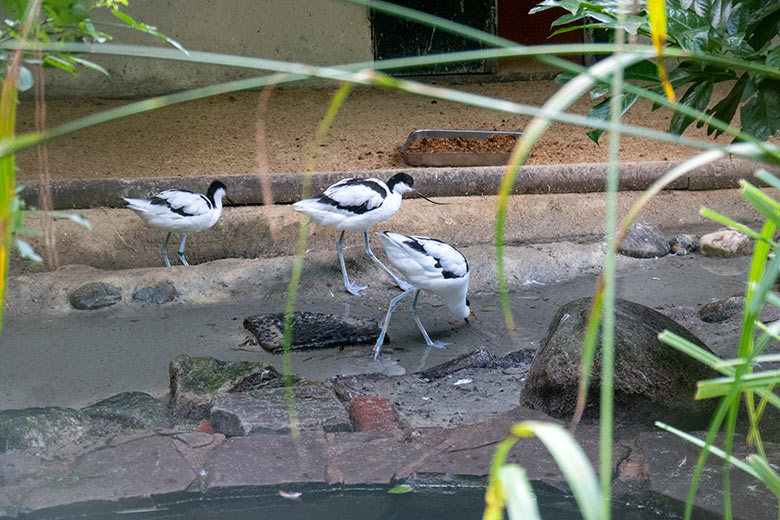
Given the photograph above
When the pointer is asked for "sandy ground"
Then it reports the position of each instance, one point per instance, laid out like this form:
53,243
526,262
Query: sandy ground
225,134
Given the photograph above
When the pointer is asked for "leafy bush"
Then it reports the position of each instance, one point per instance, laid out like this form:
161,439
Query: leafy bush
731,28
65,21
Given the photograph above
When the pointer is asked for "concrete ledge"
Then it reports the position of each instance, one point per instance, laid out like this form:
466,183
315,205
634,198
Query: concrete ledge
433,182
121,240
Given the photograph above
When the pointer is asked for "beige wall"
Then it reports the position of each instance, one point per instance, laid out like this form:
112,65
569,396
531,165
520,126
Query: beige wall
318,32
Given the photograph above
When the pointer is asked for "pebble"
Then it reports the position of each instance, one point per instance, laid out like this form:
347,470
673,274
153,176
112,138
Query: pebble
724,243
158,293
95,295
684,244
644,241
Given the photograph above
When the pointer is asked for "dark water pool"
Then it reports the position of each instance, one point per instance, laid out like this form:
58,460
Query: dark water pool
429,503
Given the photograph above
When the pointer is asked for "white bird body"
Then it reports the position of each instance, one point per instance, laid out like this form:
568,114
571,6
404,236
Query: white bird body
180,211
356,205
431,265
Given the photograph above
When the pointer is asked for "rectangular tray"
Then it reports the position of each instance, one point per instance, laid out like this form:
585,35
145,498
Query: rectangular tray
454,158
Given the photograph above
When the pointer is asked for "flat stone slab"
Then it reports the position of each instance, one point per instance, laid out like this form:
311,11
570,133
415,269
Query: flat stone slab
134,470
266,411
469,396
312,330
268,460
670,463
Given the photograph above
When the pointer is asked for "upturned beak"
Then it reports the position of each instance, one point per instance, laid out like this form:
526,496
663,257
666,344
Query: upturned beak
471,315
429,200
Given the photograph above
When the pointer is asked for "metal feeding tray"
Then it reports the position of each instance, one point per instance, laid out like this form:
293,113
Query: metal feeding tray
455,158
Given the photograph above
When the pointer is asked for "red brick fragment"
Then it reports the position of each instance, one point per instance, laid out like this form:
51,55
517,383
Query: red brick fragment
205,426
373,413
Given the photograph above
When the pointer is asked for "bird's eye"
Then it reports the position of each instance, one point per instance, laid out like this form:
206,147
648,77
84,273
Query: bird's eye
468,304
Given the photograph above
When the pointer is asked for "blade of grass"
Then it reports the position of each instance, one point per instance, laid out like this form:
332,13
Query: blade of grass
297,268
520,499
608,274
573,463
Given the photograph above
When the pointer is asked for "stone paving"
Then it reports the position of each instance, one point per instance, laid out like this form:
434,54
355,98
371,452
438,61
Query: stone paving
371,445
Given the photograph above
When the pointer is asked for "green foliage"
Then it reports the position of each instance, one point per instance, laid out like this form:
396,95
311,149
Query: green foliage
65,21
740,29
740,382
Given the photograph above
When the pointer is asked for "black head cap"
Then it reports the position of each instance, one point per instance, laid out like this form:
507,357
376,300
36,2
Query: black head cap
216,185
400,178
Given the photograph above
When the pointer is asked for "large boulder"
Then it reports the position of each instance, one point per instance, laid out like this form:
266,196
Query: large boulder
653,381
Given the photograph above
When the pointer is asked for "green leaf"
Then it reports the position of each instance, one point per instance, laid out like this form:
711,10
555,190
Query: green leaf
727,107
15,8
79,219
26,80
765,472
398,490
66,12
642,71
601,111
773,58
124,17
89,64
26,251
520,499
697,96
760,116
60,63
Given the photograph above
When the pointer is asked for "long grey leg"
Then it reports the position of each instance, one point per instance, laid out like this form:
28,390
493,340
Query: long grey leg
435,344
165,250
381,339
181,249
400,283
350,286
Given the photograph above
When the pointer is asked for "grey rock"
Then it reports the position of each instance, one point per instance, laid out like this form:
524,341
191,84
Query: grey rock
653,381
725,243
721,310
312,330
195,382
266,411
479,358
132,410
95,295
644,241
39,429
158,293
684,244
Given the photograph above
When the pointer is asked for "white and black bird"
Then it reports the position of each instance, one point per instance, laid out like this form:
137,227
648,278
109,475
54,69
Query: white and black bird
180,211
356,205
429,265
